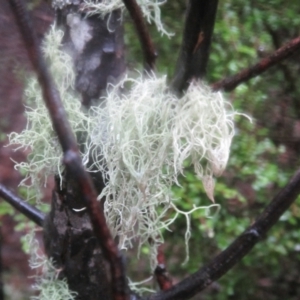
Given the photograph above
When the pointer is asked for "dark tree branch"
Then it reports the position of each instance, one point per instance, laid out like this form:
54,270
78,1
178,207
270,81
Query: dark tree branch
143,34
198,281
23,207
160,272
230,83
72,158
196,42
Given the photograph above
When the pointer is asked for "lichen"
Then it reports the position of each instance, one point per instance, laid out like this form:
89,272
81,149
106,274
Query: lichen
59,4
150,9
140,138
47,283
45,157
140,141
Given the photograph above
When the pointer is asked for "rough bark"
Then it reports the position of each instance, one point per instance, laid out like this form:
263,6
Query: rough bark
97,48
70,241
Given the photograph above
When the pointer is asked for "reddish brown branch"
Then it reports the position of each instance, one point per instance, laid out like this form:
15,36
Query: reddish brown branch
72,158
230,83
160,272
143,34
23,207
221,264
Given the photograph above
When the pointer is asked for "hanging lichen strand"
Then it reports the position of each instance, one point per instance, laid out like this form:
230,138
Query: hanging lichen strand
47,283
45,157
139,139
150,8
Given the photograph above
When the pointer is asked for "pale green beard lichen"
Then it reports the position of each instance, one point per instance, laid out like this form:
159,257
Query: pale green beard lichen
47,284
45,157
150,8
140,141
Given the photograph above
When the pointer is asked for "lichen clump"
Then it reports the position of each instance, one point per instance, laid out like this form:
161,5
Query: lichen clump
150,9
47,282
140,141
139,138
45,157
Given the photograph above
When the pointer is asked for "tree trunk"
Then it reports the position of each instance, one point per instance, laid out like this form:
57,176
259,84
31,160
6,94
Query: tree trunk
97,48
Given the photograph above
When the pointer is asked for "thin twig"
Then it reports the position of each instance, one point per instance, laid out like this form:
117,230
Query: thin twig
72,158
143,34
194,52
221,264
160,272
230,83
22,206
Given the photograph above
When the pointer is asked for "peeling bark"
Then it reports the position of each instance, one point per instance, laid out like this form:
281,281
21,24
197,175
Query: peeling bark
97,48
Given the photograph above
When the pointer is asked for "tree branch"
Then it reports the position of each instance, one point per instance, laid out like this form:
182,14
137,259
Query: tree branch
194,52
143,34
72,158
230,83
221,264
160,272
22,206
